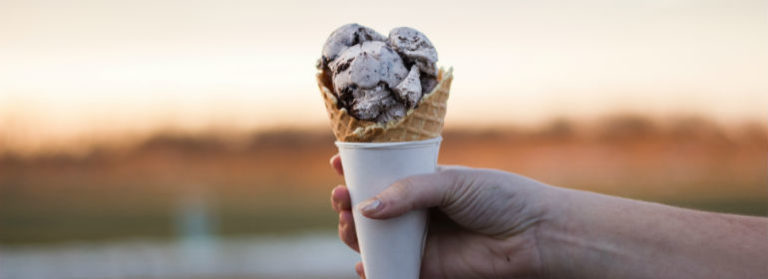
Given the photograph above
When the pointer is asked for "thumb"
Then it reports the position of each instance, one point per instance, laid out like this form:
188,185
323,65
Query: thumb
412,193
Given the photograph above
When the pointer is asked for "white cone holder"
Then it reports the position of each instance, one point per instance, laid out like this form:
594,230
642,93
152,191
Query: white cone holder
392,248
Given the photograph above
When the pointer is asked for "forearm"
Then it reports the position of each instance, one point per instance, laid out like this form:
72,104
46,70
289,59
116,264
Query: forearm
596,236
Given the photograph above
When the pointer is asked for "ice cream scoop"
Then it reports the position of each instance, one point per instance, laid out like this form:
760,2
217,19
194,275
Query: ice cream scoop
363,76
365,66
409,90
346,36
377,78
415,47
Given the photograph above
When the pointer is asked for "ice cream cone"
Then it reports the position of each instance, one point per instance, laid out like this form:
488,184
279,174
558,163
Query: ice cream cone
425,121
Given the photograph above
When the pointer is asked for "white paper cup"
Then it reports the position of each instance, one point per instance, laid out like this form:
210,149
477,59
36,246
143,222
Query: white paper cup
390,248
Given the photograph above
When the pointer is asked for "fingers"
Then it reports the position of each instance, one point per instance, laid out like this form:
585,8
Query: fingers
359,269
336,164
341,203
347,230
416,192
340,199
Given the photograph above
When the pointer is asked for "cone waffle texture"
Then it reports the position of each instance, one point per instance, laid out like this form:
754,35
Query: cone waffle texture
425,121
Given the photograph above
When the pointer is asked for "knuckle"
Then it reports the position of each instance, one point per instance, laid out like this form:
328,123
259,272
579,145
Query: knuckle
460,181
398,192
402,187
454,177
451,172
344,235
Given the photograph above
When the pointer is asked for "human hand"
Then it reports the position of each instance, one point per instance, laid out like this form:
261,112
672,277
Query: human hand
482,225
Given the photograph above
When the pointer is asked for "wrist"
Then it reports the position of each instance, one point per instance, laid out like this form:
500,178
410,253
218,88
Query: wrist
560,240
590,235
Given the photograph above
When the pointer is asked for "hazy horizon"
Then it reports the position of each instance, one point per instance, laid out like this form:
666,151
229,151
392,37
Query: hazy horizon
609,127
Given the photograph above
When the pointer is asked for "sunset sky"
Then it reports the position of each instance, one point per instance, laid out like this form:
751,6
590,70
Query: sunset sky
82,71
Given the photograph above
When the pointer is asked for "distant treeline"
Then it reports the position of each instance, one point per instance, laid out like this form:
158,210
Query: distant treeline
613,129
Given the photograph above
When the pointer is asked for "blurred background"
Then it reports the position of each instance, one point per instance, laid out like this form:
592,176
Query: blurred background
187,139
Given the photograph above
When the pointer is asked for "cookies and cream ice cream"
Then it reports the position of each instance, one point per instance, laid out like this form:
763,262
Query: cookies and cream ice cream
377,78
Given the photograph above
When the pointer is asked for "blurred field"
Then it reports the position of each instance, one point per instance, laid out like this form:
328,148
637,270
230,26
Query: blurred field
278,182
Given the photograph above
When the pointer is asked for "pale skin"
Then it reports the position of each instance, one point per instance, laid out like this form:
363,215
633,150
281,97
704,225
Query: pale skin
494,224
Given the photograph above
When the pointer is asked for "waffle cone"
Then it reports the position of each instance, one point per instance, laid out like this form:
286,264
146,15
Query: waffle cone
425,121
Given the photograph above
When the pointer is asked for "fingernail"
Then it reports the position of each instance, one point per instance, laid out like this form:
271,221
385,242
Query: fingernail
370,206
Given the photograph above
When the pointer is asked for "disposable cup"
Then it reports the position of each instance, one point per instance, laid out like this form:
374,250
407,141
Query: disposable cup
390,248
